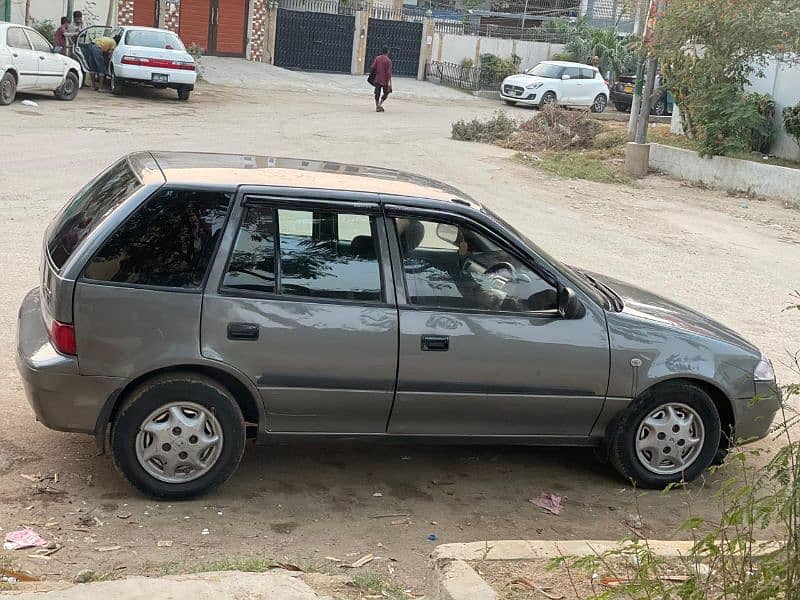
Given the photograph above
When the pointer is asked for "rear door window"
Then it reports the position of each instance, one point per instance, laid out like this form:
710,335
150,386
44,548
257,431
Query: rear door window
168,242
15,38
88,209
588,73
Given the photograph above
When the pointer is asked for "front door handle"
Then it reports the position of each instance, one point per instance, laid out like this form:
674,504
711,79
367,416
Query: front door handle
41,57
435,343
242,331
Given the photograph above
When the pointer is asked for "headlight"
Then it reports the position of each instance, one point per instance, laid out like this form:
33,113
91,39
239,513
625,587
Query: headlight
764,370
534,86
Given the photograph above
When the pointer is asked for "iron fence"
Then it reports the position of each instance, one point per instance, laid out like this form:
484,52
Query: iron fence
461,76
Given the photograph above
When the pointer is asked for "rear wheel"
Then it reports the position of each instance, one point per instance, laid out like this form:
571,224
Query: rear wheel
117,87
178,435
69,89
183,93
670,434
599,104
8,89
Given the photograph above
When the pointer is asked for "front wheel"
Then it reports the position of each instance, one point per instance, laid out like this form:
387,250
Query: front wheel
69,89
599,104
8,89
178,435
548,98
183,93
670,434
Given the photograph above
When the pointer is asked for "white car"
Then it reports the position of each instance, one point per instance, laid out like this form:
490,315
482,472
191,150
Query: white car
29,64
568,83
144,56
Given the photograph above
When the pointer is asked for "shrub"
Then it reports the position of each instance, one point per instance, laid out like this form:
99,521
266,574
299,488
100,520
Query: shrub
791,122
497,128
47,28
762,130
554,128
494,69
466,63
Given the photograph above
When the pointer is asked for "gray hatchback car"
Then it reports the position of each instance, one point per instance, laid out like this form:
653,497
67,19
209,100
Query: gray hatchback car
191,301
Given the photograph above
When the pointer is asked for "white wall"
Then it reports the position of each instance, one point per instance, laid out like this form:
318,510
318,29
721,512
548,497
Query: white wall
453,48
42,10
782,81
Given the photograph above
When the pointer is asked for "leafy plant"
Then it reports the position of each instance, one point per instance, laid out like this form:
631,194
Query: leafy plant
499,127
494,68
791,122
47,28
616,53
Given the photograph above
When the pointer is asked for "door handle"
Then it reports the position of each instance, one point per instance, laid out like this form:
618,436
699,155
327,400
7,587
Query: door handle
41,57
15,55
242,331
435,343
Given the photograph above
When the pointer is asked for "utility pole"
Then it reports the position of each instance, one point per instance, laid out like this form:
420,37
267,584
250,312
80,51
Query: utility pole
642,11
27,12
71,8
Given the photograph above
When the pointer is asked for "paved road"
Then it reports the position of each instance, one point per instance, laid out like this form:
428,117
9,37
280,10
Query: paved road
737,259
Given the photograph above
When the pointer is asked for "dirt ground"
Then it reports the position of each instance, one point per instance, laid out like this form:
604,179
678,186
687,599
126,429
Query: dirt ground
736,259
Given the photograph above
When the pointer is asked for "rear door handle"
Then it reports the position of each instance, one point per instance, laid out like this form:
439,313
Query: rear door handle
242,331
435,343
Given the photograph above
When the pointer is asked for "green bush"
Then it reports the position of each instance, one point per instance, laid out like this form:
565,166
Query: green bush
499,127
494,68
47,28
791,122
762,131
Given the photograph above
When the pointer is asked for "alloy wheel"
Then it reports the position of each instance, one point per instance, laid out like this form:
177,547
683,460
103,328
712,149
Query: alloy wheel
670,439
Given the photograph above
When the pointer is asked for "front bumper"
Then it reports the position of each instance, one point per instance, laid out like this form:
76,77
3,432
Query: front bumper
530,98
60,396
754,416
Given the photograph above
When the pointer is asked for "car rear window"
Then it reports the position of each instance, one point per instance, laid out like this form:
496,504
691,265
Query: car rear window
88,209
154,39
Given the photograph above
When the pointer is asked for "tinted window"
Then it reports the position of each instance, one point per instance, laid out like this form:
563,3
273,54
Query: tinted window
167,242
153,39
588,73
39,43
88,209
252,263
15,38
573,72
322,255
548,71
452,266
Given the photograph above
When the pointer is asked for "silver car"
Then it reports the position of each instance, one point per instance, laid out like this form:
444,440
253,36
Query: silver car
191,301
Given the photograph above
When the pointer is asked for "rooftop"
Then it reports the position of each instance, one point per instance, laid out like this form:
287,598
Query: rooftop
247,169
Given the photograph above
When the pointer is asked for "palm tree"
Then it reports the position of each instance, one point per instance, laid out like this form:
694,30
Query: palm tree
616,52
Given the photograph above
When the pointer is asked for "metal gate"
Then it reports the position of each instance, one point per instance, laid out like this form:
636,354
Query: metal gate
314,41
403,40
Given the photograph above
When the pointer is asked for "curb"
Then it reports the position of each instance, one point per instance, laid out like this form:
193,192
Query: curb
452,578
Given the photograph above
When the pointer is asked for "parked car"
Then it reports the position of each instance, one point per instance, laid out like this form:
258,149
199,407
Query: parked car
190,301
144,56
29,64
569,84
622,96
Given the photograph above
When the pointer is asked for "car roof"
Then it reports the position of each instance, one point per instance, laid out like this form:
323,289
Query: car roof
564,63
193,168
140,28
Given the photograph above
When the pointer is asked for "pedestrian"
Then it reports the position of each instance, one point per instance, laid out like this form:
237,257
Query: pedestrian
73,30
381,76
100,51
60,36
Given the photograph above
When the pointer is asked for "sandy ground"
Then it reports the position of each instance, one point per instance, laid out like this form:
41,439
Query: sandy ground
736,259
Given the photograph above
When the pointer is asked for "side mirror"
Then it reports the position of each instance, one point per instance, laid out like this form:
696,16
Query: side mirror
569,306
448,233
565,77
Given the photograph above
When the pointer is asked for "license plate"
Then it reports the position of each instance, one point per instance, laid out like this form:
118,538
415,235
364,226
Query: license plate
160,78
628,89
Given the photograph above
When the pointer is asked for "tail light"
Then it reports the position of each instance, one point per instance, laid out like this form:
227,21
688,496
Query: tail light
62,336
158,63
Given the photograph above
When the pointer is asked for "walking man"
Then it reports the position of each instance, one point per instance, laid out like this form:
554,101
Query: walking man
382,67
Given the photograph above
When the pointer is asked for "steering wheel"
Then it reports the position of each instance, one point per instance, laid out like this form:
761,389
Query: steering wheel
502,266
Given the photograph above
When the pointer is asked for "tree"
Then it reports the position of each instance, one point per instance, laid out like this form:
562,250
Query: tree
616,52
709,50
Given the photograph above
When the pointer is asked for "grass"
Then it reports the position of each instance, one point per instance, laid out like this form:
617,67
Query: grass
589,164
248,565
375,584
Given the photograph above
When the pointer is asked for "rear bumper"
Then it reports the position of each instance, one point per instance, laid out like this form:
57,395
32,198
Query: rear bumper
61,398
621,98
140,74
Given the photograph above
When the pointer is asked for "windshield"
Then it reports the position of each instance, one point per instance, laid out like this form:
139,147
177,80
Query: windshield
578,279
546,70
88,209
146,38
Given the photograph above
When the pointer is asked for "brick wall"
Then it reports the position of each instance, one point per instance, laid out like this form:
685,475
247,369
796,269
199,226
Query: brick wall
125,12
172,16
258,30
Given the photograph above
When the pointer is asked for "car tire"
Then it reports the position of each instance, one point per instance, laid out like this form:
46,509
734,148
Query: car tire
183,93
157,428
548,98
69,89
660,107
510,102
8,89
117,87
599,104
676,461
